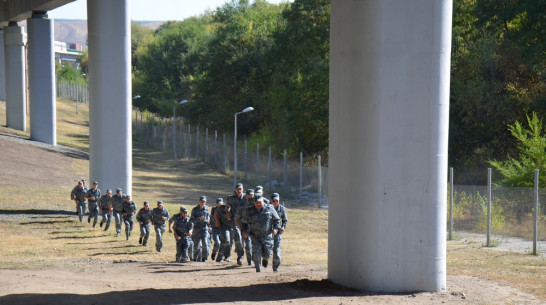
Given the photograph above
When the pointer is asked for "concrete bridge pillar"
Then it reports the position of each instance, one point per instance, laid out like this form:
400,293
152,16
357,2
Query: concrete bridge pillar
389,107
2,68
41,79
110,142
14,65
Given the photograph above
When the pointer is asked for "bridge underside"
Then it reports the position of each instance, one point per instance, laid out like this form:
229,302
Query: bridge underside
389,100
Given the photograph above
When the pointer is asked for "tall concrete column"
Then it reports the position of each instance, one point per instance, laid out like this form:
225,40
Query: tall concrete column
110,145
389,100
2,68
14,64
41,79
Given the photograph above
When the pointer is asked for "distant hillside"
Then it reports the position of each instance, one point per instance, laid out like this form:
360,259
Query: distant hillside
72,30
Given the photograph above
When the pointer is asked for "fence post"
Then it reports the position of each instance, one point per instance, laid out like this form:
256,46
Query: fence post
301,175
535,231
451,203
175,144
224,151
246,160
189,141
215,149
164,135
206,144
488,244
319,183
182,155
257,163
153,132
141,128
197,142
284,172
270,165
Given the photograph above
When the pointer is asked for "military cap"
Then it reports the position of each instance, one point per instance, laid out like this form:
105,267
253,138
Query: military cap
146,203
95,182
239,186
259,198
118,190
109,191
127,196
203,198
219,200
275,196
160,203
183,209
250,192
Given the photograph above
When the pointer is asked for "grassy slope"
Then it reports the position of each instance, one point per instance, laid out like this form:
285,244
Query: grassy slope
58,240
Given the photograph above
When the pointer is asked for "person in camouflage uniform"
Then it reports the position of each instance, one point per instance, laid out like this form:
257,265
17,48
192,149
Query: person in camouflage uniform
259,191
201,220
261,223
144,218
222,219
239,216
236,202
93,196
85,189
117,206
79,195
281,211
183,228
177,217
129,210
159,216
215,232
106,209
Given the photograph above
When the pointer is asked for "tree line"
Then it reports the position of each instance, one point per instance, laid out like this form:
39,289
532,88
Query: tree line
275,58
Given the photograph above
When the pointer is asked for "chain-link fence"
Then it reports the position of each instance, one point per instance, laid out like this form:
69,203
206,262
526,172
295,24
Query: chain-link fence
256,165
77,91
510,212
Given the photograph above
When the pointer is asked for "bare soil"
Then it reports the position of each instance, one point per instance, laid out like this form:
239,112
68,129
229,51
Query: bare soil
77,280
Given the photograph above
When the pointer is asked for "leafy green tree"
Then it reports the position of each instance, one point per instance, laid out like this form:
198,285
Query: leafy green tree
299,82
497,76
532,154
168,61
234,75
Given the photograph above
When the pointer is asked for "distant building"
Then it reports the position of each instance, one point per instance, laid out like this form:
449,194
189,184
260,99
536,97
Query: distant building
67,53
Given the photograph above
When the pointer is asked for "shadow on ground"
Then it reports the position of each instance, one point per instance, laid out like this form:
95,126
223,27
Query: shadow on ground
256,293
35,212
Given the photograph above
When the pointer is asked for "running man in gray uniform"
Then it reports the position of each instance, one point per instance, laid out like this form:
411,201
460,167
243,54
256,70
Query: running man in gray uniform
160,216
144,218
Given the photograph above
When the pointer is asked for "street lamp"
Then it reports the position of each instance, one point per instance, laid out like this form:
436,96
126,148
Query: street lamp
247,109
174,130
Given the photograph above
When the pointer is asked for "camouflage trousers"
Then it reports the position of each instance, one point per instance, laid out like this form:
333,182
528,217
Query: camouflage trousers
93,213
277,251
182,247
215,236
145,233
262,248
106,219
201,245
117,218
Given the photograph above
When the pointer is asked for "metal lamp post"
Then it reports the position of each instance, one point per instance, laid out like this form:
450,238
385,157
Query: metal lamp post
174,131
235,145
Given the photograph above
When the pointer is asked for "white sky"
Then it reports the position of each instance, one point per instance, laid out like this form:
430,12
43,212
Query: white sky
147,10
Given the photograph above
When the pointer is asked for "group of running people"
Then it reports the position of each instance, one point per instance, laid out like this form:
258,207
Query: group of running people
246,220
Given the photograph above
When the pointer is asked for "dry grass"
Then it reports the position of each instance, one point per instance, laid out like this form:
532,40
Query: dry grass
52,236
524,271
